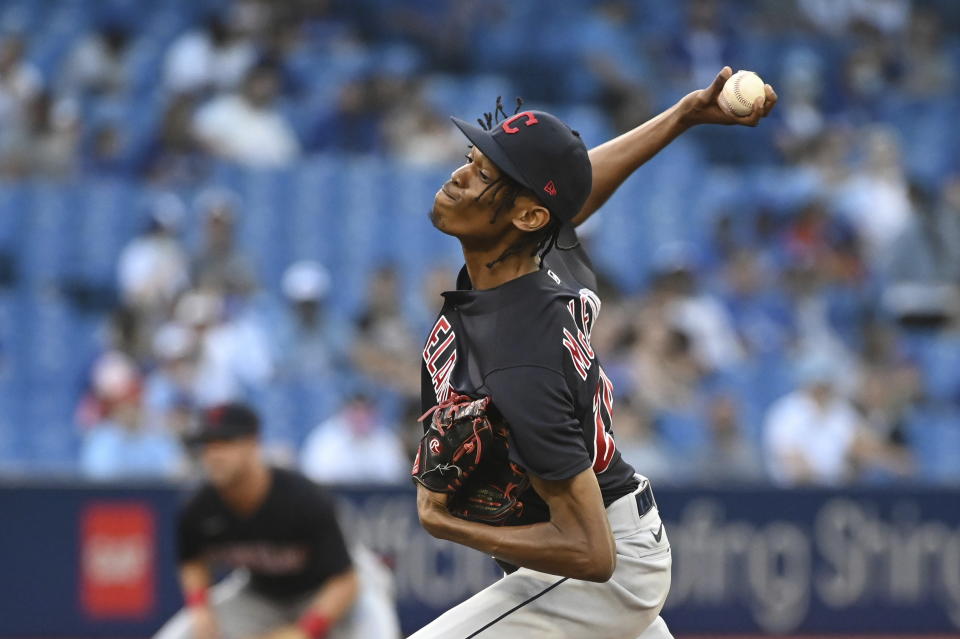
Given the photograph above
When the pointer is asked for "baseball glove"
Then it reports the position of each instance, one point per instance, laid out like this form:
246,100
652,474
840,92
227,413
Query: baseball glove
465,454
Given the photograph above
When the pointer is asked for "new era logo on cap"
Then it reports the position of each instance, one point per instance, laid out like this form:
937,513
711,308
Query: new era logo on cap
550,188
215,416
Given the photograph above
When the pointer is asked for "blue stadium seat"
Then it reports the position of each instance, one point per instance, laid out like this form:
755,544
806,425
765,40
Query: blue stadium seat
22,16
939,360
926,132
315,403
468,98
684,432
588,121
278,413
267,198
54,440
934,435
14,216
111,216
61,27
14,435
49,225
50,349
315,198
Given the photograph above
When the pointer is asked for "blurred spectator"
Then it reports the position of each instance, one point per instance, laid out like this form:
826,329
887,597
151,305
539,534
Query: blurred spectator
121,332
639,445
692,310
801,89
247,127
105,151
824,256
153,268
418,135
810,435
175,155
922,267
444,32
119,445
20,82
234,359
704,44
889,386
113,378
311,344
875,199
729,457
98,63
928,68
838,16
386,349
816,436
828,157
357,431
869,72
816,326
353,123
170,388
215,56
612,69
46,143
759,310
219,265
665,371
437,279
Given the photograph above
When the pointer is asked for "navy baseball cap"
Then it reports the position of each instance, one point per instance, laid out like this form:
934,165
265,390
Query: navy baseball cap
541,153
223,423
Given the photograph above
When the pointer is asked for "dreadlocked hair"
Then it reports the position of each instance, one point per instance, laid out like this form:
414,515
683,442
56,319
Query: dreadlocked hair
505,191
540,242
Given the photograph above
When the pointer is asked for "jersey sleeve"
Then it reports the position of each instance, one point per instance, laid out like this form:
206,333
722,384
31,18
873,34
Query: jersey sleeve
189,541
428,398
330,554
545,435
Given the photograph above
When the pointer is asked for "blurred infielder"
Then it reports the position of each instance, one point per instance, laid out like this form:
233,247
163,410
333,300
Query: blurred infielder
578,530
294,577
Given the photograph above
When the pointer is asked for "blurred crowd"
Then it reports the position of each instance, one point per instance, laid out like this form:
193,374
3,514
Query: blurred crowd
194,329
811,338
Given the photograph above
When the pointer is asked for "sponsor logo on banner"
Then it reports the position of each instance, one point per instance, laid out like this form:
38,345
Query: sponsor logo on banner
117,550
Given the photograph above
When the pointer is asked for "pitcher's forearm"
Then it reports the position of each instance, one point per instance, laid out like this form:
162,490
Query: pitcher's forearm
615,160
543,547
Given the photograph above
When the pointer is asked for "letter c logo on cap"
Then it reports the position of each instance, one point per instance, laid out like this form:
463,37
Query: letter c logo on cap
531,120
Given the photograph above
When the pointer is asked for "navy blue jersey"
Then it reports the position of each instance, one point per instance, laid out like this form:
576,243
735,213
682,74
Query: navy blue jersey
291,544
526,345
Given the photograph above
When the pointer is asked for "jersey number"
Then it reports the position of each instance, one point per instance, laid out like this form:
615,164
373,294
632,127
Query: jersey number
604,445
584,312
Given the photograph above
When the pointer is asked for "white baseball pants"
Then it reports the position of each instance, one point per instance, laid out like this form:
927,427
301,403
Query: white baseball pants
533,605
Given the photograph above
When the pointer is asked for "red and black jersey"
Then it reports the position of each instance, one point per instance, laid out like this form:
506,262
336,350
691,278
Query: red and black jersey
526,345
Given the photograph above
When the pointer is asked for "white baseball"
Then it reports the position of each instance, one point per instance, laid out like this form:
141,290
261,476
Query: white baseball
740,90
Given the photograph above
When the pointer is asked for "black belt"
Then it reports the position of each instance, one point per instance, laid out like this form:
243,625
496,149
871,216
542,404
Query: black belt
645,500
